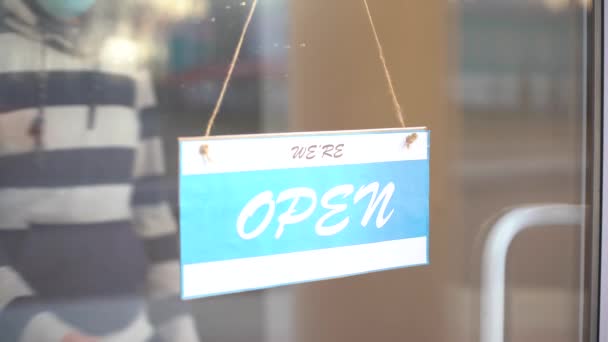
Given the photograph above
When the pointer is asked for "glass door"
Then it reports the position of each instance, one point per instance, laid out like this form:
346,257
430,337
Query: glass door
93,97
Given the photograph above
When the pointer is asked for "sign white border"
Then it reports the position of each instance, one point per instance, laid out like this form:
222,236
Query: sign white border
255,273
226,154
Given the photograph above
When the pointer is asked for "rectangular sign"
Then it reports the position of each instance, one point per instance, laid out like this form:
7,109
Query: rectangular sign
269,210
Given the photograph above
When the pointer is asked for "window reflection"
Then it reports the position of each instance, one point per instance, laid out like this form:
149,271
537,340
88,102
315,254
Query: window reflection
87,213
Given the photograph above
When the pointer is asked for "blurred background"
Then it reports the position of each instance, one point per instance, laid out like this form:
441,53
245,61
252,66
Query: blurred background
499,82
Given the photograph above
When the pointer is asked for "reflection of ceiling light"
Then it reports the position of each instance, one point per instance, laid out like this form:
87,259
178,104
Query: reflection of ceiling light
556,5
180,8
120,51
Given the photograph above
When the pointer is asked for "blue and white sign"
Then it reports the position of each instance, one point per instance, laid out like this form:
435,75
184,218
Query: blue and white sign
270,210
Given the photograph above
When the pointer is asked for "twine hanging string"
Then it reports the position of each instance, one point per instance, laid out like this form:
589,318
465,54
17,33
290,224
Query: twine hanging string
389,80
235,57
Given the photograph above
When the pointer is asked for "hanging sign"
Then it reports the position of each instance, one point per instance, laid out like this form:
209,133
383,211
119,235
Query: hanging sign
269,210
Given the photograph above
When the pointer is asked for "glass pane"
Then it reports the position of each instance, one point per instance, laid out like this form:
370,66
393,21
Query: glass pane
94,94
521,87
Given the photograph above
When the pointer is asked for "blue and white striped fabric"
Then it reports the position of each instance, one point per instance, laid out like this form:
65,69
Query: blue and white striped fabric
75,209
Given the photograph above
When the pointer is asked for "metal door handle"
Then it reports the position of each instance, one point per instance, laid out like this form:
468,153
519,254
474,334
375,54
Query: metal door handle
495,252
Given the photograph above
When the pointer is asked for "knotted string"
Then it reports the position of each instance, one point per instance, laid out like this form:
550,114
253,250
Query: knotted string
396,105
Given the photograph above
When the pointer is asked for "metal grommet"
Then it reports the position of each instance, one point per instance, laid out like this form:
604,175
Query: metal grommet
204,151
409,140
